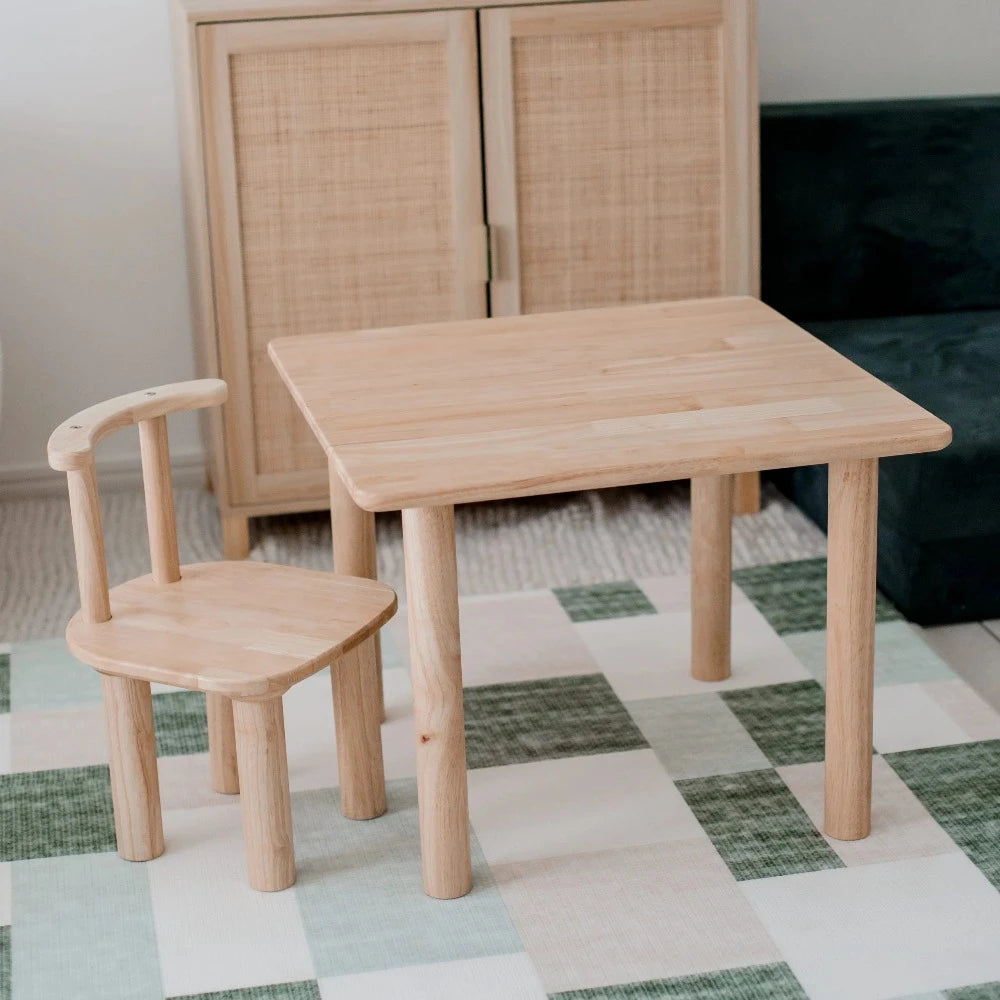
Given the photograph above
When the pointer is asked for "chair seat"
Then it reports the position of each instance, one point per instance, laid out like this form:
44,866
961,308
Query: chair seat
241,629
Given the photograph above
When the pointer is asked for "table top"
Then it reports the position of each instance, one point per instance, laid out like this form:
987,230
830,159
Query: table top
485,409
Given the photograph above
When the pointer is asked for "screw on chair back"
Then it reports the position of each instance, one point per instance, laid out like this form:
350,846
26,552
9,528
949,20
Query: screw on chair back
71,450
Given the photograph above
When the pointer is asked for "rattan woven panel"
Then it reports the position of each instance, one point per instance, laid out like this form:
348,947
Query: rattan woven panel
618,141
343,158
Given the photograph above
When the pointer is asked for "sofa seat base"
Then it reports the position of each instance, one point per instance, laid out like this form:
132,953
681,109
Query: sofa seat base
939,513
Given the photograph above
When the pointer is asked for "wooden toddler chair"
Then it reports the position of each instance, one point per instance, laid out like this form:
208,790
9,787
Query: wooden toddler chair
242,632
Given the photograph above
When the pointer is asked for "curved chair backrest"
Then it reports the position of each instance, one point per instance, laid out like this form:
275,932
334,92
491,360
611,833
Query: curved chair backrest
71,450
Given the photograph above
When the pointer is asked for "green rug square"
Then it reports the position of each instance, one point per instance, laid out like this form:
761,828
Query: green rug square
4,682
792,595
307,989
982,991
44,814
545,719
960,787
757,825
777,982
604,600
181,723
787,721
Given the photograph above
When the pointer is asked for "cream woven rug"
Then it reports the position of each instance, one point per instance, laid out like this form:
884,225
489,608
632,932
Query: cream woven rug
516,545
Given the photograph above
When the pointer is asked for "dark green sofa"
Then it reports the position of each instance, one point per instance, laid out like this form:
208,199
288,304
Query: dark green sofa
881,236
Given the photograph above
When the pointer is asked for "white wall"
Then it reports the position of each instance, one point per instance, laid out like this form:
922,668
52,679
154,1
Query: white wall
821,50
93,299
93,294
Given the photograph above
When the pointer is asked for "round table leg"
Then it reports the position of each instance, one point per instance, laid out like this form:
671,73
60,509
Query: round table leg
850,647
436,665
711,576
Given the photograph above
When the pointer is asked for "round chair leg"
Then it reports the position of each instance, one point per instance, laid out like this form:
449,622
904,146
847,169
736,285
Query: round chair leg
357,712
267,806
135,783
222,744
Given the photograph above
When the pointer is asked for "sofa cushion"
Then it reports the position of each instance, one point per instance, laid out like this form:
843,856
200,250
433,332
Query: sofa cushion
949,364
881,208
932,582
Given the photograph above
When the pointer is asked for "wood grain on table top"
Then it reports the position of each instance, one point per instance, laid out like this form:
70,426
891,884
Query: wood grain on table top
517,406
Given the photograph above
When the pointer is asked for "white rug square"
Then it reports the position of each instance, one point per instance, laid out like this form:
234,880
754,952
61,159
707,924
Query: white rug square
649,656
574,805
493,977
901,826
199,895
630,915
840,929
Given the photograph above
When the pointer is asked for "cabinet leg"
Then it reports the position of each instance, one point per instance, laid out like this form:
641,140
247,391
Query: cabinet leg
357,721
711,576
436,666
747,493
354,554
267,805
850,647
235,536
222,744
135,782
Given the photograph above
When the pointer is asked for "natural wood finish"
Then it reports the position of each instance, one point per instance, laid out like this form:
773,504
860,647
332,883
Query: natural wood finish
241,629
206,11
254,265
266,803
355,554
71,444
850,647
160,518
135,783
88,542
357,710
196,232
236,630
740,151
329,111
747,493
620,136
436,667
525,405
711,576
222,744
235,536
606,126
533,404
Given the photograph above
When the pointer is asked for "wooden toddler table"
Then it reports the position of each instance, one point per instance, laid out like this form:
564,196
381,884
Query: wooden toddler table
420,418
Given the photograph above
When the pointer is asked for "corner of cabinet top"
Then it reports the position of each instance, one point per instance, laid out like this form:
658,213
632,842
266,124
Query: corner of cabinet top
214,11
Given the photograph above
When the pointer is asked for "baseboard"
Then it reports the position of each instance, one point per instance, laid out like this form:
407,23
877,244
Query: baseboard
21,482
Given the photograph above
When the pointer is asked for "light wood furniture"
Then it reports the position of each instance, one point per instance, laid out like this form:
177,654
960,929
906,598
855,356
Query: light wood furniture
337,158
243,632
421,418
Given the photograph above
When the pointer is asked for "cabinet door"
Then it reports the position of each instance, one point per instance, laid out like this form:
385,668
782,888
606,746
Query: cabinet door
621,161
343,169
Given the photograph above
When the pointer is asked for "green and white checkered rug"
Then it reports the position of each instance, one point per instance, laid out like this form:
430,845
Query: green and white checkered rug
636,834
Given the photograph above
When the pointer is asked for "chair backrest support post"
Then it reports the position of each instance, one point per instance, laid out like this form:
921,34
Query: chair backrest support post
160,518
88,540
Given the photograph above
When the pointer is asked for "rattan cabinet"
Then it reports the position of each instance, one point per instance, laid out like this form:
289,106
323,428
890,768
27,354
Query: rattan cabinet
352,164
